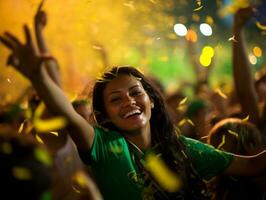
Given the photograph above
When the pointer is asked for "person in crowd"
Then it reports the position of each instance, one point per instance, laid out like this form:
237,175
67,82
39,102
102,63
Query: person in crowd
240,137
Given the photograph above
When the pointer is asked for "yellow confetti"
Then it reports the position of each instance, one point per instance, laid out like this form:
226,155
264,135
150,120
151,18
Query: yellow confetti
190,122
218,90
152,1
8,80
49,125
80,181
183,101
199,8
261,26
199,2
233,133
6,148
182,122
97,47
21,173
222,143
232,39
43,156
39,139
168,180
54,133
245,119
39,110
21,127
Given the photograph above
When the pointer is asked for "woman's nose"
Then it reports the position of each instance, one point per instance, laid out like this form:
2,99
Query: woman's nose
128,100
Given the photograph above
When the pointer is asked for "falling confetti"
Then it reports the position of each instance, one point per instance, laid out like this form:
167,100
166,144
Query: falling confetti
261,26
54,133
21,127
199,8
39,139
233,133
8,80
183,101
245,119
165,177
222,143
43,156
190,122
97,47
219,91
232,39
6,148
21,173
47,125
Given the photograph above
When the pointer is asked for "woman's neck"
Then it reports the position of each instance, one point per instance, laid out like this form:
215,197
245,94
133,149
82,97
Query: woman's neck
142,139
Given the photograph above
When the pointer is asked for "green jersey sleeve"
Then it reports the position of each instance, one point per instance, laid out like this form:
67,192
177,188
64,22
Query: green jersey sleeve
207,160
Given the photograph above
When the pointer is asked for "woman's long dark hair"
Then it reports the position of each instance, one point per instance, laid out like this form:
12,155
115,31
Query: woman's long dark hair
163,133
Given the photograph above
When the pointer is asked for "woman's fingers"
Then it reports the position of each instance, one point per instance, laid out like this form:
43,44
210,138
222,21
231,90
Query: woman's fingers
9,44
12,38
28,36
12,60
40,6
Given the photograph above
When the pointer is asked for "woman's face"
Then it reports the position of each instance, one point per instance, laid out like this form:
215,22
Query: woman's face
127,104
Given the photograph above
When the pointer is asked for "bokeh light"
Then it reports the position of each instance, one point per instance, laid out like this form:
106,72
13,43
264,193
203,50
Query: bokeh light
205,29
180,29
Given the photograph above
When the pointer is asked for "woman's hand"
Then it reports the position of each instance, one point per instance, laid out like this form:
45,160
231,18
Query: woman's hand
23,57
40,18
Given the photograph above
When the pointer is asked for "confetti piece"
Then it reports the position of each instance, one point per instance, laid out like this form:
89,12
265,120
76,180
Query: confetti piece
130,5
168,180
261,26
245,119
80,181
39,110
54,133
21,127
152,1
49,125
182,122
97,47
190,122
8,80
233,133
221,93
6,148
232,39
184,154
21,173
39,139
199,2
197,9
183,101
43,156
222,143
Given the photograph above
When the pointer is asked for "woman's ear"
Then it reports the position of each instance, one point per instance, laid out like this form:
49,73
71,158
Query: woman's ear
152,104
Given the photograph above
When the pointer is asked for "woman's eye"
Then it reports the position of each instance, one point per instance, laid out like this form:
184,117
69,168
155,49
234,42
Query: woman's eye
115,99
136,93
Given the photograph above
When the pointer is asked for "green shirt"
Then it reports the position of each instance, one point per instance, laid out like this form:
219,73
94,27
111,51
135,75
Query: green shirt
117,174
